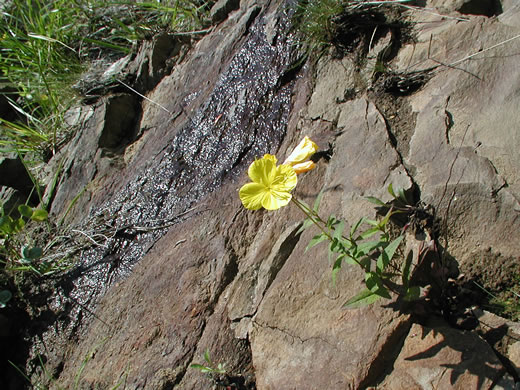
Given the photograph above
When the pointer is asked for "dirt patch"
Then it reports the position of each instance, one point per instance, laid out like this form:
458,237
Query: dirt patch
494,279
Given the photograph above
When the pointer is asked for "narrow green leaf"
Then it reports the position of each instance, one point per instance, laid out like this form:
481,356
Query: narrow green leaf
336,267
392,247
371,222
350,260
356,226
369,246
402,195
332,221
206,356
338,231
388,253
40,215
383,292
364,298
375,284
318,201
332,248
391,190
412,293
405,270
307,223
316,240
375,201
373,281
25,210
197,366
369,233
385,220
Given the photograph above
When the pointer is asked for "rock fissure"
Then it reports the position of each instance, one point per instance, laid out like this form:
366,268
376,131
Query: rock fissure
240,284
298,338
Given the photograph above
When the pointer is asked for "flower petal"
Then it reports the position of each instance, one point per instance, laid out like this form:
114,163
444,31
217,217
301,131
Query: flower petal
252,194
302,152
263,170
276,199
285,179
304,166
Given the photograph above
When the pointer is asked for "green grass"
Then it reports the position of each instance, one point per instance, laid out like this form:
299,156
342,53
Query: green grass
46,44
314,19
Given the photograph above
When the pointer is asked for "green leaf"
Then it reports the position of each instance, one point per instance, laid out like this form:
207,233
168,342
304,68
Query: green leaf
372,222
5,296
206,356
18,225
385,220
375,284
332,221
306,224
33,253
364,298
202,368
221,368
405,270
388,253
369,246
25,210
402,195
336,267
373,281
391,191
412,293
40,215
338,232
318,201
355,227
316,240
350,260
6,225
375,201
369,233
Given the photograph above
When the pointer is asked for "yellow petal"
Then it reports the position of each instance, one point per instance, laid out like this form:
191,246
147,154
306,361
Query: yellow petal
276,199
302,152
251,195
263,170
285,179
304,166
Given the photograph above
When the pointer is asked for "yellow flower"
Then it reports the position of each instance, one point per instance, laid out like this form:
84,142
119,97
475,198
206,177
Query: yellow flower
298,159
271,185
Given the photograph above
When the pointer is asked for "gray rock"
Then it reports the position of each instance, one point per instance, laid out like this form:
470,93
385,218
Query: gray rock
443,358
241,284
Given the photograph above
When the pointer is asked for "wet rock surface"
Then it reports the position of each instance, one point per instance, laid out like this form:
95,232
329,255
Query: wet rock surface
184,269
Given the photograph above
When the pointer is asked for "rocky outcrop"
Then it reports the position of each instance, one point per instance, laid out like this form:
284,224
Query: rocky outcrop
440,122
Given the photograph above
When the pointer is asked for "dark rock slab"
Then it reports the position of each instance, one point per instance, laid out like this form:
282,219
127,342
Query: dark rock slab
13,174
222,8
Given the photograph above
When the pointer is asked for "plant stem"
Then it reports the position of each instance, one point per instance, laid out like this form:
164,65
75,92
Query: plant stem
313,217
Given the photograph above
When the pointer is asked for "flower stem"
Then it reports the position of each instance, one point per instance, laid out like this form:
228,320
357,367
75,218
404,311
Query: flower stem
312,216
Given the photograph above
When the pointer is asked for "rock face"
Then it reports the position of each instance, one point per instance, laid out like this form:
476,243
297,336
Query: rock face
241,284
